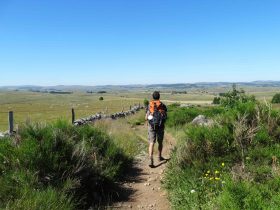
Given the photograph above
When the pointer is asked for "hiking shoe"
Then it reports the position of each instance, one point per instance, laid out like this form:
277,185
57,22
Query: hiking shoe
151,164
161,158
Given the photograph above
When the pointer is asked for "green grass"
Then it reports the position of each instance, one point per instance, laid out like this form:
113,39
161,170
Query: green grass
178,116
44,107
276,106
58,166
221,166
124,133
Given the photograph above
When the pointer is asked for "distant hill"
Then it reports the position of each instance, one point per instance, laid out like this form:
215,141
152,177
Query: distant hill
178,86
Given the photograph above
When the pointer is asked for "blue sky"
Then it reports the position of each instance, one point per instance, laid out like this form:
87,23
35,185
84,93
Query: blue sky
138,42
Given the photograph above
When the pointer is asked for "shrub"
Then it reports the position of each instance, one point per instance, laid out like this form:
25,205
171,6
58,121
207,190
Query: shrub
181,116
43,199
146,102
216,100
204,143
235,97
174,105
247,195
245,137
72,167
262,137
276,98
101,98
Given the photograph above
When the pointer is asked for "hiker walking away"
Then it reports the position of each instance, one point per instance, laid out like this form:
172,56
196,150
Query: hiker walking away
156,115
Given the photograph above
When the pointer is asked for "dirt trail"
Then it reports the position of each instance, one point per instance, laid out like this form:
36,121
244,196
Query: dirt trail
143,184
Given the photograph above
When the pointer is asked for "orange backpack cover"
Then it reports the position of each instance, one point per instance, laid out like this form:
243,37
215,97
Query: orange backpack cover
158,105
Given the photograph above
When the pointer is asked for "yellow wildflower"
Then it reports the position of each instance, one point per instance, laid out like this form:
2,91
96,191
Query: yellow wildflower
217,178
223,164
211,178
208,172
216,172
206,175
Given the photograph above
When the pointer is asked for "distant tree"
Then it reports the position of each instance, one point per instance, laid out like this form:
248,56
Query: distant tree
102,91
146,102
216,100
276,98
178,92
235,96
101,98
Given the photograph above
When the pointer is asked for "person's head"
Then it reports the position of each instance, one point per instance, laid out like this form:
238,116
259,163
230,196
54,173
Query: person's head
156,95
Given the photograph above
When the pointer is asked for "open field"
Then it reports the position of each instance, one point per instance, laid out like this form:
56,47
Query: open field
48,107
127,138
45,107
31,106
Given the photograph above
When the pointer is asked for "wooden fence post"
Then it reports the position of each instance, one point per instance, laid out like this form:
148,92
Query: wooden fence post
11,122
73,115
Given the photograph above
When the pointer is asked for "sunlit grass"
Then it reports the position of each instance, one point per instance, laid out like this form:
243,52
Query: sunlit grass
43,107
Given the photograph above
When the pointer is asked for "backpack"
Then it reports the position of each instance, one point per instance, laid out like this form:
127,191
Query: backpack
158,111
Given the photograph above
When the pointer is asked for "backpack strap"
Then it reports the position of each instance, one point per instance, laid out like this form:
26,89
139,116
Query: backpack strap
155,105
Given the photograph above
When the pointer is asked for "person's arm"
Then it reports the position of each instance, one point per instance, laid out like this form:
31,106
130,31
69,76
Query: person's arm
146,116
165,108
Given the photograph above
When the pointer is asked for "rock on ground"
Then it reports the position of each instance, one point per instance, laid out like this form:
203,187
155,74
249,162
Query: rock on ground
202,121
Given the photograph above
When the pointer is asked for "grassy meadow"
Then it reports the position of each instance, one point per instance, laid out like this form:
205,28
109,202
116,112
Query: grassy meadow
60,166
231,163
45,107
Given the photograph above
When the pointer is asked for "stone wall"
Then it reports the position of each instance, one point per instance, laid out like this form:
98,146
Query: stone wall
114,116
98,116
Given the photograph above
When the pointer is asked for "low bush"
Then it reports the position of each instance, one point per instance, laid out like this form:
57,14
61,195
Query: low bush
206,142
43,199
235,96
179,116
216,100
146,102
59,166
276,99
232,164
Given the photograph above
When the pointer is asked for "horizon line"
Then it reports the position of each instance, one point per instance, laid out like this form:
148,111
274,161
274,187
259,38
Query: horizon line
143,84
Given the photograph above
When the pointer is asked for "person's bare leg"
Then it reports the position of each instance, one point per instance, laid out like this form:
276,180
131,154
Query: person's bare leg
160,146
151,152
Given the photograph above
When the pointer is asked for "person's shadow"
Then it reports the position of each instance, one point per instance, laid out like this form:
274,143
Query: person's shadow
161,163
